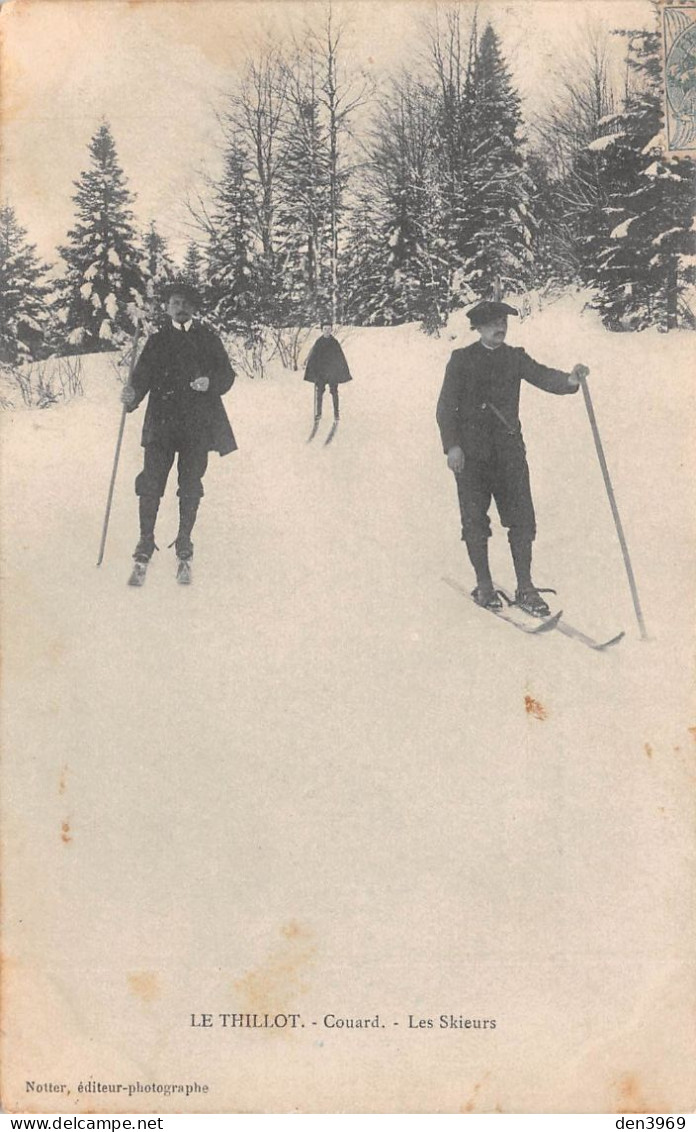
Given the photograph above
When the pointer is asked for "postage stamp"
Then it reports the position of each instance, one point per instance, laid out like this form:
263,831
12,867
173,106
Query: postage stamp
679,32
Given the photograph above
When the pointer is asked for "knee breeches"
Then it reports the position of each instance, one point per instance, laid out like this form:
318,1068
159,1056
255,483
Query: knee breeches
191,467
505,482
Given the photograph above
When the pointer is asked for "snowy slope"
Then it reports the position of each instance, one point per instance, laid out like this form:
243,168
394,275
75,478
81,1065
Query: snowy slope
320,780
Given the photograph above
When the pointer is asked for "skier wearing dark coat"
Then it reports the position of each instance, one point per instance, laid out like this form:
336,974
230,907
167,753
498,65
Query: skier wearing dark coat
326,365
478,416
185,371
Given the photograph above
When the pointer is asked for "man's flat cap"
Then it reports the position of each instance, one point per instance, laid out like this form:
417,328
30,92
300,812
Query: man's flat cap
488,312
184,288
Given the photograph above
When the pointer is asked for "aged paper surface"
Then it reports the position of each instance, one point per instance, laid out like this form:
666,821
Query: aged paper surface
318,835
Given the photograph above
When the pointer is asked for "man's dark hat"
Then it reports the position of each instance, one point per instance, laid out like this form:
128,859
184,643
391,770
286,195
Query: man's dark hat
183,287
488,312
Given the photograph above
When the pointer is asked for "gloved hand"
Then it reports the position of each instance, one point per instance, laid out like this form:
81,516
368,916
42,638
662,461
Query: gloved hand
201,384
455,459
127,396
578,374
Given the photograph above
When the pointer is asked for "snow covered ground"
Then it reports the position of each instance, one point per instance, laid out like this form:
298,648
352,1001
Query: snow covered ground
321,781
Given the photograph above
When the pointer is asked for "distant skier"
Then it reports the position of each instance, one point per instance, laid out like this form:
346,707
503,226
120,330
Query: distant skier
185,370
478,416
326,365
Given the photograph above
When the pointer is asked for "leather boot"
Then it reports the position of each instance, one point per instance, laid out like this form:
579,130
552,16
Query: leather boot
188,509
484,594
478,556
521,549
148,506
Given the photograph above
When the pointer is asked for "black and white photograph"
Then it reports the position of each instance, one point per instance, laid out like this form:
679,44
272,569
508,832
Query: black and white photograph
347,499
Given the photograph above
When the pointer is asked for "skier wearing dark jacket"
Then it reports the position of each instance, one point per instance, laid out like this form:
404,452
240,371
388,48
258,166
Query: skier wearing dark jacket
185,371
326,365
478,416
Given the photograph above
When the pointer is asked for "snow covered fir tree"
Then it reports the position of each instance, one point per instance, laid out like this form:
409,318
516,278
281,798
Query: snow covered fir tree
305,190
497,231
396,263
193,267
640,258
405,207
24,294
446,209
239,281
103,258
159,268
618,212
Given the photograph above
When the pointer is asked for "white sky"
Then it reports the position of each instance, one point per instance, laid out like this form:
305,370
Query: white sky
156,70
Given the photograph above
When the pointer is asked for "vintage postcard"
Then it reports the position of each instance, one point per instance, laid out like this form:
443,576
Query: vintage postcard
347,516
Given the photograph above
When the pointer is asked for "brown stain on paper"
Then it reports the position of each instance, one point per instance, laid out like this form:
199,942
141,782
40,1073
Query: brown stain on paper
685,762
12,103
65,834
534,708
144,985
630,1096
471,1104
219,39
648,750
278,980
63,780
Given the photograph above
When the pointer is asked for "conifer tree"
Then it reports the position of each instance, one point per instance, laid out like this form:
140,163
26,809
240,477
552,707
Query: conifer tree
304,191
499,226
238,294
24,311
452,52
103,273
159,268
365,267
639,252
193,265
398,234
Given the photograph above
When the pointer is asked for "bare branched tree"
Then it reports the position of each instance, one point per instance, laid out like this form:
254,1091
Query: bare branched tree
256,113
305,179
585,96
342,93
450,56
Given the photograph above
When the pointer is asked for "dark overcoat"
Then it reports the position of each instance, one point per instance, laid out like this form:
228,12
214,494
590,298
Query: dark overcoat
479,404
170,361
326,364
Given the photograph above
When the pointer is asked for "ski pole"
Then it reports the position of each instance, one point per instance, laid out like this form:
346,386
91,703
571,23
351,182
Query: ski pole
131,367
614,508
